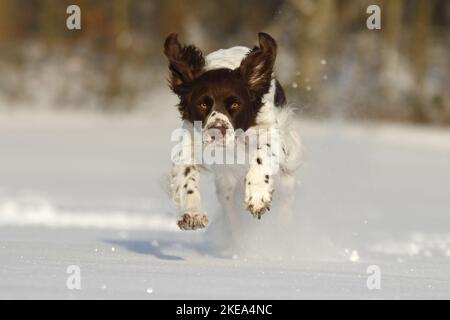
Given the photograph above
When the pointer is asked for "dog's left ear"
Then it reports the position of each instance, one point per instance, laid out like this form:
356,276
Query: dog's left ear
185,62
257,66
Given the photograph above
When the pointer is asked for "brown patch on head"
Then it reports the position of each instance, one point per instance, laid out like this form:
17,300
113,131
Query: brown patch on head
221,91
235,93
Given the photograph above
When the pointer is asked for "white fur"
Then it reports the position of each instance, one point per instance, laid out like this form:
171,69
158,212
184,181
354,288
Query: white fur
258,192
226,58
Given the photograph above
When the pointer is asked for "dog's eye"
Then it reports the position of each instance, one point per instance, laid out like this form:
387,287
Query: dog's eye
234,106
232,103
205,103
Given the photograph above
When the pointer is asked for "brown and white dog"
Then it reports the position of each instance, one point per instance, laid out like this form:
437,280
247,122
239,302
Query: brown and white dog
232,90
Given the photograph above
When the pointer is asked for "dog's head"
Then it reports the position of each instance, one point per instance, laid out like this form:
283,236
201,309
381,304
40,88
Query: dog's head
222,99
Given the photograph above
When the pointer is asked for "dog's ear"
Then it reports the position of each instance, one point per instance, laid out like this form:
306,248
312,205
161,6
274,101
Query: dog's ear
185,62
257,67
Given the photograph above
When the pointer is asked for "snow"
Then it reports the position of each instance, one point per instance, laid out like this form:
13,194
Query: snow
23,212
86,189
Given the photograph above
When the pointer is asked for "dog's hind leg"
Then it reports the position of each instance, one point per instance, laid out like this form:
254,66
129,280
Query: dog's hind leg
226,192
287,184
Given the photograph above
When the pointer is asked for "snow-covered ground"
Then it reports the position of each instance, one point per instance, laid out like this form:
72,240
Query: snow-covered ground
85,190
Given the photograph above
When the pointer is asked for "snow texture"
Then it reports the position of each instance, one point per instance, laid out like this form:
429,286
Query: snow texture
85,190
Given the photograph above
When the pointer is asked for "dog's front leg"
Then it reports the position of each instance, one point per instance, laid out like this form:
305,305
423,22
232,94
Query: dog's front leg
259,184
186,194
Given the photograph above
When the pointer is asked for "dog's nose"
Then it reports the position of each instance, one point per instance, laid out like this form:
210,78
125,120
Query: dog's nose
213,133
219,128
222,129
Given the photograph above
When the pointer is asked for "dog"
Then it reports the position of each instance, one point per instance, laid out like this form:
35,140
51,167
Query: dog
227,91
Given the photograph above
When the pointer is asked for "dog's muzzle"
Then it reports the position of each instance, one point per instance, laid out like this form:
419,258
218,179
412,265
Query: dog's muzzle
218,130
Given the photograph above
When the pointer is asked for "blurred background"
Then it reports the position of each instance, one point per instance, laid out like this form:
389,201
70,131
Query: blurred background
86,118
329,62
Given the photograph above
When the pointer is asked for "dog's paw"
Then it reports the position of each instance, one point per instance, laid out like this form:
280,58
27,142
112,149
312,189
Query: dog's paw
258,198
192,221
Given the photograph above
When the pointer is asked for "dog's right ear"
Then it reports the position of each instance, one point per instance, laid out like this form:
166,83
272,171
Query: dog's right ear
185,62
